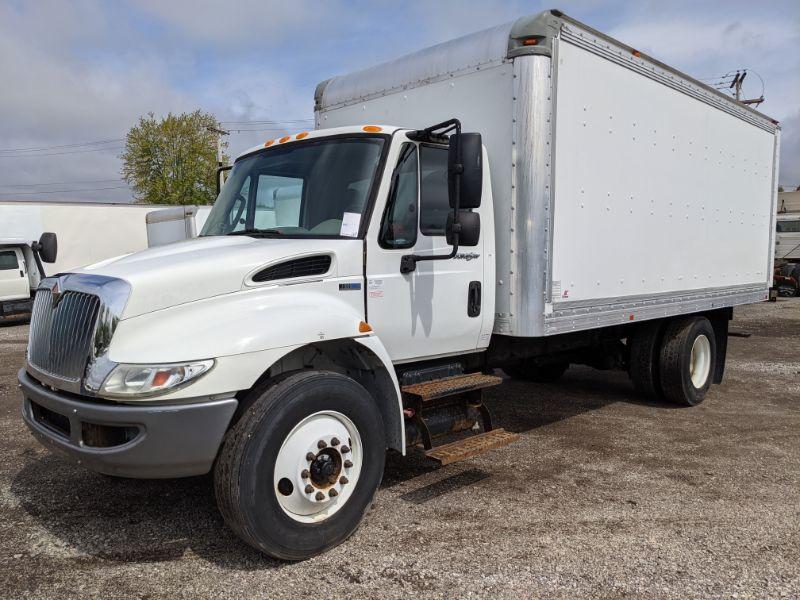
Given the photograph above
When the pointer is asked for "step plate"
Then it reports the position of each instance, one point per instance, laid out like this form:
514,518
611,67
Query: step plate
472,446
450,386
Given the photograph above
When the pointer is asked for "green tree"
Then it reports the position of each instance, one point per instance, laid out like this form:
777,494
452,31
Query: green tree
172,160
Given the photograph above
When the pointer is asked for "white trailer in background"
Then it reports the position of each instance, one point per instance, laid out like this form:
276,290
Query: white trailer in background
354,287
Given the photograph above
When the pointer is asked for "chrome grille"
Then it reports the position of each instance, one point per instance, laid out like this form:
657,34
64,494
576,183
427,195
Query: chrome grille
61,334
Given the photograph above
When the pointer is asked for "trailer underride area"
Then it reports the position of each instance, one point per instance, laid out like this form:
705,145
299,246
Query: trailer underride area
604,494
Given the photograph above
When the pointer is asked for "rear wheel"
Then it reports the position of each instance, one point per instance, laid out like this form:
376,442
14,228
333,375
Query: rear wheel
530,371
644,358
687,359
299,470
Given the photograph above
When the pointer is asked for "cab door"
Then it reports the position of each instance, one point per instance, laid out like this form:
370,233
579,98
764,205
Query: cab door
436,309
13,275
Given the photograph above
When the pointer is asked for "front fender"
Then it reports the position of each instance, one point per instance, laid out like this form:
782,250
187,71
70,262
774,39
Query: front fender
240,323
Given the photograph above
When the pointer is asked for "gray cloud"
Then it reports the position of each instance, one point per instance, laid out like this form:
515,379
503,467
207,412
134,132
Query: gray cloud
87,70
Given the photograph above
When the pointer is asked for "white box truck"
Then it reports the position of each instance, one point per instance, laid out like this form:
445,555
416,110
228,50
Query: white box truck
356,287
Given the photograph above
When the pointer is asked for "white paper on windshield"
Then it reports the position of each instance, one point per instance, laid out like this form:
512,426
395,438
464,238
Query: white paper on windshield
350,223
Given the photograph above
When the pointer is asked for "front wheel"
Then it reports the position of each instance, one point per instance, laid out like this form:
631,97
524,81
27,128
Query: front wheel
299,470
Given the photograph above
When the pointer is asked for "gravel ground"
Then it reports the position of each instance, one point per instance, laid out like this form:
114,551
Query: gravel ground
606,494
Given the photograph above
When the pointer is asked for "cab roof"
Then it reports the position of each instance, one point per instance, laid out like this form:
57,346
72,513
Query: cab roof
290,138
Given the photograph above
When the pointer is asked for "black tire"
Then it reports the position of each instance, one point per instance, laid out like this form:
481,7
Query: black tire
675,360
644,358
244,472
529,371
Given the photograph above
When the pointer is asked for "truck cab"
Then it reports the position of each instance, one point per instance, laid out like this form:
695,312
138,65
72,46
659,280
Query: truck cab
330,260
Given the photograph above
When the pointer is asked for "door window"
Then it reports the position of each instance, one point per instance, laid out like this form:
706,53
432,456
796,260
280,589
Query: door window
788,227
399,229
8,260
434,204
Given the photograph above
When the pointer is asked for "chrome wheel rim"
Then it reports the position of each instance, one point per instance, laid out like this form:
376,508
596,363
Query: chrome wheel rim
318,466
700,361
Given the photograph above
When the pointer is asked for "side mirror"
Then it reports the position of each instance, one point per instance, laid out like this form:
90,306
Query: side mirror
48,247
471,162
470,233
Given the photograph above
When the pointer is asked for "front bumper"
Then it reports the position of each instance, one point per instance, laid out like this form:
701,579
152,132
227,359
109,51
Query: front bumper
155,441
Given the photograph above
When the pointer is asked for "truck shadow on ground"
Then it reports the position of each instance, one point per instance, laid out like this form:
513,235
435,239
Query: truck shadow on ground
129,520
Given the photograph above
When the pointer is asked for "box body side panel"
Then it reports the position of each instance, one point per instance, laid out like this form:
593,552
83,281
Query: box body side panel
656,193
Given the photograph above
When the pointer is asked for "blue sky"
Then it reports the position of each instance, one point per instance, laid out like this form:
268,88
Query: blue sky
85,70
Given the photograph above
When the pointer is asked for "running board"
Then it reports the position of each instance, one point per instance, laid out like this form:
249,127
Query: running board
472,446
450,386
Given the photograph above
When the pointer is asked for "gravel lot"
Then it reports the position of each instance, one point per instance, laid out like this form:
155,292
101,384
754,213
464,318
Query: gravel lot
606,494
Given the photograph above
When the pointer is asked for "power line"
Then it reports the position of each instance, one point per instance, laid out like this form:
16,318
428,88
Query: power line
76,145
266,122
26,185
118,187
60,153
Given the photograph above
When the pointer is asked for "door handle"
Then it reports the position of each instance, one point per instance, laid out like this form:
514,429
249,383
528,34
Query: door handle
21,274
474,299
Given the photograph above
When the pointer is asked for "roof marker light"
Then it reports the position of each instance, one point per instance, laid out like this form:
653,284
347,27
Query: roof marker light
284,139
372,128
302,135
268,143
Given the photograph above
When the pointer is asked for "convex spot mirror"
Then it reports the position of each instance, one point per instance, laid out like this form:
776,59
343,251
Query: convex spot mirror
470,229
472,174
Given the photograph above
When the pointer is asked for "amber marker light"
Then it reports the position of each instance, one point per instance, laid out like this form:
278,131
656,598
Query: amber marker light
530,42
302,135
284,139
268,143
364,327
371,129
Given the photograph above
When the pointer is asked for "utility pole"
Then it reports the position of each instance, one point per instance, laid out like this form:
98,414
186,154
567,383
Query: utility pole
220,133
736,84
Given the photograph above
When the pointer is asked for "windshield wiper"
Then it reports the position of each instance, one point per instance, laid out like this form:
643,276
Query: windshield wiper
255,231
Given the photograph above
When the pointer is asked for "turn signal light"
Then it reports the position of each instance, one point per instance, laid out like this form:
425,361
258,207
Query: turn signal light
364,327
530,42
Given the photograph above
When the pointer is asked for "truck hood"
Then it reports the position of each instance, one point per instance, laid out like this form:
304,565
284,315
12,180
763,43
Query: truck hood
211,266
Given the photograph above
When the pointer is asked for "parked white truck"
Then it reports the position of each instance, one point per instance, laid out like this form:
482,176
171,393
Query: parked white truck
21,271
355,287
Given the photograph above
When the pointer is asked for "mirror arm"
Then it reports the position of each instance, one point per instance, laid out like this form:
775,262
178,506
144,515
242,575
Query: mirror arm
408,263
35,247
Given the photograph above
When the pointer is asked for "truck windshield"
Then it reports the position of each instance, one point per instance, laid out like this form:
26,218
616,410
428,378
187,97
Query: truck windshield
318,188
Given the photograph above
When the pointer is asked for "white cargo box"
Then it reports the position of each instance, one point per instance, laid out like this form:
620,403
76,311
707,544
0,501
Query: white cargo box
623,189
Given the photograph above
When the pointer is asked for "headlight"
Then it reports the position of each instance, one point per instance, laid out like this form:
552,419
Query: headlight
128,381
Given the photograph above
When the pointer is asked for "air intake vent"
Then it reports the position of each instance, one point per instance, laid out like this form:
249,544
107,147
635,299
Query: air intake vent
299,267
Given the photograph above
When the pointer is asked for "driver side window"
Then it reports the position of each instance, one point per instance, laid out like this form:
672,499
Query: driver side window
399,228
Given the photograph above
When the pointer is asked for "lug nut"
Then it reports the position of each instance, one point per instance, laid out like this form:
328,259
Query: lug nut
345,449
309,489
347,464
333,493
310,456
305,474
321,444
334,441
319,497
343,480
